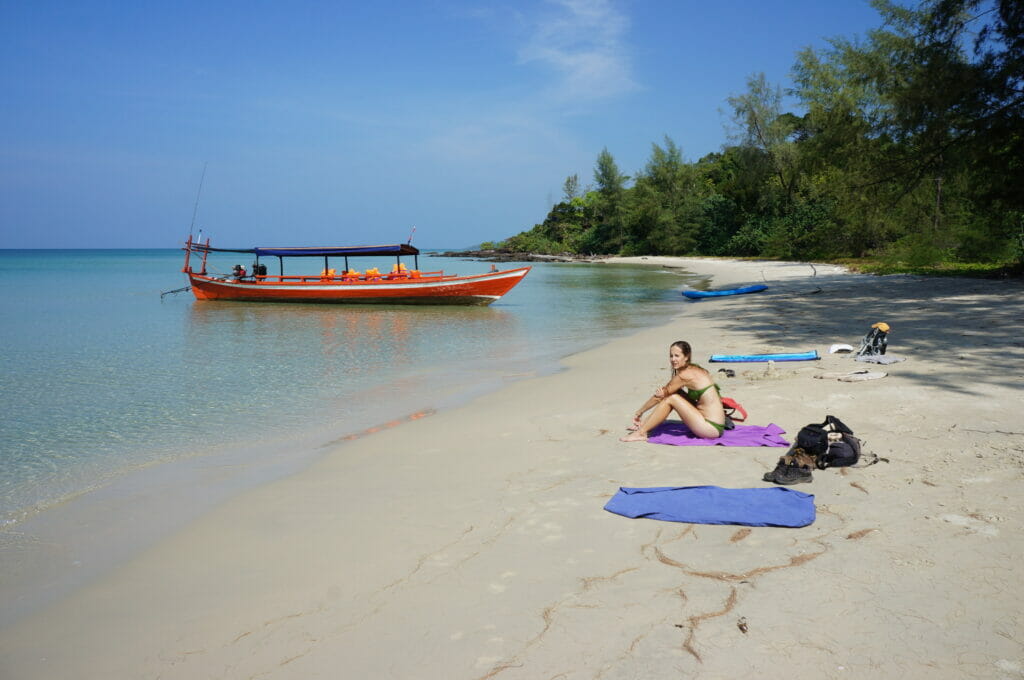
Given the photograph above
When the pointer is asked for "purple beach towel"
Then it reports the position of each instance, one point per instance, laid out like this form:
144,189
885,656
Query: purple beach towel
677,434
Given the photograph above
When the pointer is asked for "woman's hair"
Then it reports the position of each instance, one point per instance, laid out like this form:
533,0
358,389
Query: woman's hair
684,346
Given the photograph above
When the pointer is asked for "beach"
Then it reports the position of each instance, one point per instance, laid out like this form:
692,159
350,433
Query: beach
472,543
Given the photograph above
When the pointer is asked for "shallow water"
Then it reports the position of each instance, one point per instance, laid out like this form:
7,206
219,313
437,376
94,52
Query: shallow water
102,376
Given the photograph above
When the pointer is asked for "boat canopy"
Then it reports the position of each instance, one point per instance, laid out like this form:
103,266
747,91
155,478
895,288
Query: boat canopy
344,251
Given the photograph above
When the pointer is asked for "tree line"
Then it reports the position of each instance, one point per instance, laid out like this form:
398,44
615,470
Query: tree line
911,147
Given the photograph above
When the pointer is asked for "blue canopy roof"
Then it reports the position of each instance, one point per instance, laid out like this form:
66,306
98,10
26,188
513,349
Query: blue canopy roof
348,251
345,251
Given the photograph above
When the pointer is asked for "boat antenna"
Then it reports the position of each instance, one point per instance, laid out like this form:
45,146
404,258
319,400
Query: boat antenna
409,242
195,208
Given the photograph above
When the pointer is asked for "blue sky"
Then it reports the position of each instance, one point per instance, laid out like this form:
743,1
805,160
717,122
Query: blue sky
334,123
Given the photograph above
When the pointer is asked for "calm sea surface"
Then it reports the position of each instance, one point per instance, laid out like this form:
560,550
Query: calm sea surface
101,376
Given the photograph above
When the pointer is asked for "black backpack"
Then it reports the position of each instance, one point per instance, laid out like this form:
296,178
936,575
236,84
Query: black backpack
814,438
842,452
831,443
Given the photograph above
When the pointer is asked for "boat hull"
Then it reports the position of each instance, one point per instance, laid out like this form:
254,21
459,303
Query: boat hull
482,289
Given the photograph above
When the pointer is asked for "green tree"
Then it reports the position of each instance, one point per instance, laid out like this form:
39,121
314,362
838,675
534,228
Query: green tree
718,221
571,187
921,128
562,231
909,144
661,210
763,126
607,233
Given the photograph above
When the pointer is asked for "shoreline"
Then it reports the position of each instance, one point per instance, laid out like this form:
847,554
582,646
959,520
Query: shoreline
475,540
67,545
50,550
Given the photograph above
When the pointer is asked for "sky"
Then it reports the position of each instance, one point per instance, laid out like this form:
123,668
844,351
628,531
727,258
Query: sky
309,123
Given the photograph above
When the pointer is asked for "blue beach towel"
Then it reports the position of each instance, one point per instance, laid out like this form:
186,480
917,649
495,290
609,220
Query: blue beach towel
767,507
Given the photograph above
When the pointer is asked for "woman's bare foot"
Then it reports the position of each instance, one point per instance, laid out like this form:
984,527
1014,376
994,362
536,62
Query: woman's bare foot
634,437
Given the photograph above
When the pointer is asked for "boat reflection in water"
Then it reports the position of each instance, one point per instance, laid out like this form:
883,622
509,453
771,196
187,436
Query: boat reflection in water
348,367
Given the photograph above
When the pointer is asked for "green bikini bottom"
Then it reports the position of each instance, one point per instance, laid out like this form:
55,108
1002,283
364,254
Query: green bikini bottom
720,428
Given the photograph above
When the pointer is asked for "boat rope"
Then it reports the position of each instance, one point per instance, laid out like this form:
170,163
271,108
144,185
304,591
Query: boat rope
176,290
195,208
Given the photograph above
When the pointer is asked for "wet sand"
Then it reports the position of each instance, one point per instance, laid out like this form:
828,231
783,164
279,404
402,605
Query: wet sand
473,543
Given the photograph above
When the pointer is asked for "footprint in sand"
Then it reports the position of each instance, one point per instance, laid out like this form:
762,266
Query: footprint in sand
973,525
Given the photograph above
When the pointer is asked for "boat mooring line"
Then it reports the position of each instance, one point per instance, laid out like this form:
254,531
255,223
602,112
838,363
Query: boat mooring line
176,290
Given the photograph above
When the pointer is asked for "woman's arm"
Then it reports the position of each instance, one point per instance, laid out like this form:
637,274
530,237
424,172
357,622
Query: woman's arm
672,386
648,405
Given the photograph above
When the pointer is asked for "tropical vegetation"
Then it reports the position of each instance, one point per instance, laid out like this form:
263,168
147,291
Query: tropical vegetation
908,147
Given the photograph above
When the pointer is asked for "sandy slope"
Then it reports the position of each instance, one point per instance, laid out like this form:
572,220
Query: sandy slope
473,543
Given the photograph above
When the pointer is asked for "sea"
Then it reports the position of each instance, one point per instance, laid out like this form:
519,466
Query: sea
128,408
102,374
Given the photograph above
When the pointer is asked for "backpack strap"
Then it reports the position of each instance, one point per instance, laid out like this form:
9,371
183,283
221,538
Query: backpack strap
867,459
833,424
733,409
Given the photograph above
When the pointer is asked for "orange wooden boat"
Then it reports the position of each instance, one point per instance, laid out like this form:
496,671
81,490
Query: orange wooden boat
400,285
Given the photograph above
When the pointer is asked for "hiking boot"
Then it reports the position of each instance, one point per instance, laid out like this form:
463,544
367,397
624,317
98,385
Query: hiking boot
770,476
793,474
788,474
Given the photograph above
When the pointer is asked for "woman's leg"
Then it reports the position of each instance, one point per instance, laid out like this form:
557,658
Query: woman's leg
655,418
688,413
693,418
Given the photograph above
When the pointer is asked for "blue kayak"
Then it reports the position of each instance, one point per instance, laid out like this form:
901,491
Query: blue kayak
699,294
747,358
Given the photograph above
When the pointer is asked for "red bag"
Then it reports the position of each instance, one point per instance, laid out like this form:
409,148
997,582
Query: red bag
733,409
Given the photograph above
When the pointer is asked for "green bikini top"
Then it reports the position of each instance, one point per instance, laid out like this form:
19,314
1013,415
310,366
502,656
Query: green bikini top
695,395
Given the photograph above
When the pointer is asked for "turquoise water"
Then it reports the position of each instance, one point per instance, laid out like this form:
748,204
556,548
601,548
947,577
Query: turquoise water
100,375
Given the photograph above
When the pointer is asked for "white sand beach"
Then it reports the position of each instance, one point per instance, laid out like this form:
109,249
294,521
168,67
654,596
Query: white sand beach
473,543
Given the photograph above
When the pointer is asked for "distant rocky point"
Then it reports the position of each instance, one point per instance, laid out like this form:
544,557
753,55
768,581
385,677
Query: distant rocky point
502,255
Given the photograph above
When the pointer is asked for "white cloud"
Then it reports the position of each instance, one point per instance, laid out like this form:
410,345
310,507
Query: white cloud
579,48
583,42
510,139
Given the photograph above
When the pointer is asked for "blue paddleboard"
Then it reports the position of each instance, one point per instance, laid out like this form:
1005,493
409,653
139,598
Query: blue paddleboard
699,294
741,358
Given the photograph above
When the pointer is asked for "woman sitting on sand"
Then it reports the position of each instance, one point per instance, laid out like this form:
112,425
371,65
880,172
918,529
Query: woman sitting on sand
691,393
